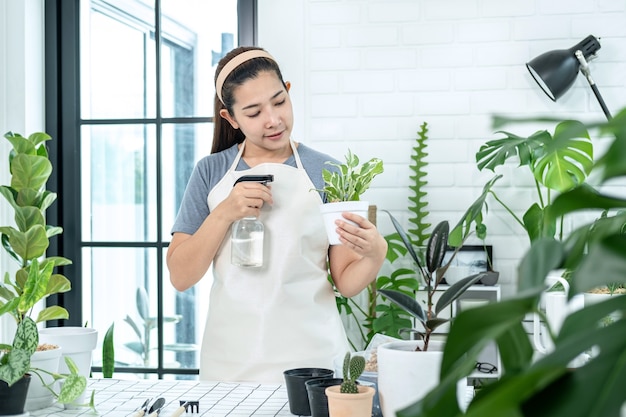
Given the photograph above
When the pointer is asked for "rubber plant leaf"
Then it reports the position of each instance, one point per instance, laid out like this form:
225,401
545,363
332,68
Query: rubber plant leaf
407,303
437,246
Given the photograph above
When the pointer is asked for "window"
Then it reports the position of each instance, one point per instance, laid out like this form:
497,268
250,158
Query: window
129,102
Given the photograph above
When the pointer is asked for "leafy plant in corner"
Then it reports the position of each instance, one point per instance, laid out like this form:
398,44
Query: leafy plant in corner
432,269
353,367
35,279
554,385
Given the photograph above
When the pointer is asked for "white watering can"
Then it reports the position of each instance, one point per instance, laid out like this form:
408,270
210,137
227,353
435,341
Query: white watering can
556,309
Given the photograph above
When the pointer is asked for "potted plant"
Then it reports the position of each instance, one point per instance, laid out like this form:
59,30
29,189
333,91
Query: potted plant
404,376
350,398
372,317
554,385
343,189
27,242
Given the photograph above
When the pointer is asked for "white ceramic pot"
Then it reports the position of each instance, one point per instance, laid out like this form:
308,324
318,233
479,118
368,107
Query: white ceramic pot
332,211
38,396
406,376
77,343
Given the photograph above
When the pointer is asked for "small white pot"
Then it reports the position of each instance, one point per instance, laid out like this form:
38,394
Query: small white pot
406,376
332,211
38,396
77,343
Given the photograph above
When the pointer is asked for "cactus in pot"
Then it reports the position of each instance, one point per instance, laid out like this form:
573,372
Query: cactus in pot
353,367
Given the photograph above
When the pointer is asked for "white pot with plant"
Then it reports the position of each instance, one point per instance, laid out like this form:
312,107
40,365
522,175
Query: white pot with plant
407,370
349,398
343,189
27,241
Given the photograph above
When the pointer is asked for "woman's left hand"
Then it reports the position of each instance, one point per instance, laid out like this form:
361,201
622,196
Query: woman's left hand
364,239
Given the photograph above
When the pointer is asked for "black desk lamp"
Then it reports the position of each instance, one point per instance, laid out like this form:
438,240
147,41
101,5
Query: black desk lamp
556,71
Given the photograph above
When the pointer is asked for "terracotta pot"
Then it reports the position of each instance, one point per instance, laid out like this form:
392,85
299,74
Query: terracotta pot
13,398
332,211
350,405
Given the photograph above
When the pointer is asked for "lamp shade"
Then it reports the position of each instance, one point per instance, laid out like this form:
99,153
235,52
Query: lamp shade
555,71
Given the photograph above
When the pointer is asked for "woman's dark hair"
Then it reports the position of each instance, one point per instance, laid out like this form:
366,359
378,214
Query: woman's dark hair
224,135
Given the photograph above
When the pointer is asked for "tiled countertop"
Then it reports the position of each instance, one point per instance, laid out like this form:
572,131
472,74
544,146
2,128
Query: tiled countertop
120,398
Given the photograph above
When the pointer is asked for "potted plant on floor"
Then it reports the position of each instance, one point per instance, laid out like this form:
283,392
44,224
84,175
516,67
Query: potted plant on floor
35,279
350,398
343,189
554,385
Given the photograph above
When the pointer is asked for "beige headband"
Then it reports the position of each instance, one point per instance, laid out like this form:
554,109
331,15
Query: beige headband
234,63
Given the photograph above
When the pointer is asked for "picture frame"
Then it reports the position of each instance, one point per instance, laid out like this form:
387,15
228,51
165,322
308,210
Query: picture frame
477,257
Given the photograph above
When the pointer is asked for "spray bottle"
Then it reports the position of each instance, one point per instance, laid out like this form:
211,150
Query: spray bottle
248,233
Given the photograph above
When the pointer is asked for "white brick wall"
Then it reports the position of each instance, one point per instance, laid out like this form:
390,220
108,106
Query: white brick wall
366,74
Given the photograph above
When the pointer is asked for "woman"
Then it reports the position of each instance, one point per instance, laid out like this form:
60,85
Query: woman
283,315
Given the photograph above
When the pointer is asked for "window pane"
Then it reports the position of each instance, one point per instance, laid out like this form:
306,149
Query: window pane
118,175
119,287
183,146
184,314
196,34
117,60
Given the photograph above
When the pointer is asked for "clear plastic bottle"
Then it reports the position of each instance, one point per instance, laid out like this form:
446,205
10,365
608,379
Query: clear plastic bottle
247,242
247,234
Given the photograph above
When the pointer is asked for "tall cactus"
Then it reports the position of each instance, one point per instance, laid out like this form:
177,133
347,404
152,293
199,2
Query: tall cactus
353,367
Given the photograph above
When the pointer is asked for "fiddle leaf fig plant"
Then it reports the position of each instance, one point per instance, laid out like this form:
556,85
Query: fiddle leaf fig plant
350,180
26,242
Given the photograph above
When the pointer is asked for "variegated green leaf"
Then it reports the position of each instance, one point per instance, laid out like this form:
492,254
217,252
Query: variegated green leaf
52,313
18,363
26,336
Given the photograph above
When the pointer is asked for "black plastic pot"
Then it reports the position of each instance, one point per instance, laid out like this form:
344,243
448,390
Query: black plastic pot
296,390
318,401
13,398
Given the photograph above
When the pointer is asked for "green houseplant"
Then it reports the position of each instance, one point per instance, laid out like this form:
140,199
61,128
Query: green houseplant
595,255
343,187
350,398
558,162
369,315
350,180
35,279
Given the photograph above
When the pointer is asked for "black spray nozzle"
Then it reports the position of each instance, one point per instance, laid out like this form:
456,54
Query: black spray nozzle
263,179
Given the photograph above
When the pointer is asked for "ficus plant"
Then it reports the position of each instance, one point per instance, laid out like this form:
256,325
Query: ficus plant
431,268
26,242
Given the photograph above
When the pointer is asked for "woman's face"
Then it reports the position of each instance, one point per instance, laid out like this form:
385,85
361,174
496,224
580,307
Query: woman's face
263,112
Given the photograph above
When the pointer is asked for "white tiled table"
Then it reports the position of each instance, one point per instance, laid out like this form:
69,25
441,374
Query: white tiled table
120,398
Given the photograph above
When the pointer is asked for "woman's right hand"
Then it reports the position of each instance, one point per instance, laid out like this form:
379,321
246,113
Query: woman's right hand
245,200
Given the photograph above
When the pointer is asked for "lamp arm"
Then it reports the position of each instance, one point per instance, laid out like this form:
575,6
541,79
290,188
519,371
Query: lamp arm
584,69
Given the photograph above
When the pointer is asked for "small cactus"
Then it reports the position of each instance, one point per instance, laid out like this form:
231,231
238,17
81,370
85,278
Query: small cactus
353,367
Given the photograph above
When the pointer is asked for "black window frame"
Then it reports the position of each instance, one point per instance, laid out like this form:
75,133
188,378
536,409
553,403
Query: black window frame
63,122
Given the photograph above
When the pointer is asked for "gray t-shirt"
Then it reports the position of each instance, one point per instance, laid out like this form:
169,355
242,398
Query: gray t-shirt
210,170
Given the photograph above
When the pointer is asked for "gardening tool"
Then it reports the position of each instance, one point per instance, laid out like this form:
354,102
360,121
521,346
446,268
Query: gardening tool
142,410
156,407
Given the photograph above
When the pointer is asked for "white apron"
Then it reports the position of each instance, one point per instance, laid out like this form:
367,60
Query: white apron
263,321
